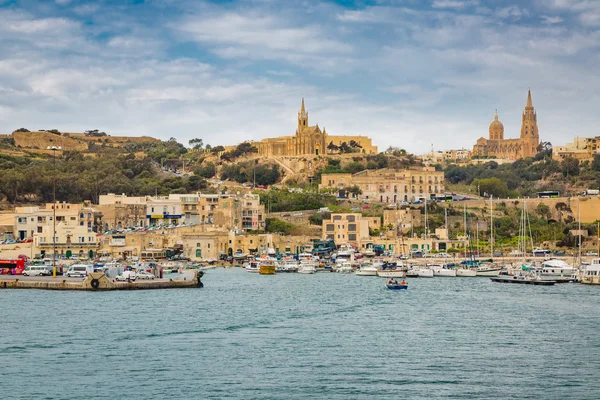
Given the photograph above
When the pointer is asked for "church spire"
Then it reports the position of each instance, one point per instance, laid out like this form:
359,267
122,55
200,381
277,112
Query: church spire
302,109
529,102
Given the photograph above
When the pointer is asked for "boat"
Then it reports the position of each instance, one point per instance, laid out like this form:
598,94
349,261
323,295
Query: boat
591,273
396,285
523,279
424,272
557,270
345,267
366,270
289,265
252,266
267,268
488,269
306,269
466,272
441,270
391,273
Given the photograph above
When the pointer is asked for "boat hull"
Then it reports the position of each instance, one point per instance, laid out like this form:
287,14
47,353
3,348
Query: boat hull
425,273
391,273
444,272
396,287
489,273
368,272
523,281
466,273
267,270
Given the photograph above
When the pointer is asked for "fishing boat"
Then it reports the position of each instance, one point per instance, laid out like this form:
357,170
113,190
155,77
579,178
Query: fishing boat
252,266
267,267
396,285
591,273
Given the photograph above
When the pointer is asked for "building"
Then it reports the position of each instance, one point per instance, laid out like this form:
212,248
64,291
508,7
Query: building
402,219
163,211
581,148
388,185
348,228
513,149
311,140
446,156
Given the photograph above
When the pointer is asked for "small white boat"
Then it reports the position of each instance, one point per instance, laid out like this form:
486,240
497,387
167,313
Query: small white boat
441,270
466,272
252,266
488,270
591,273
345,268
367,270
555,269
306,269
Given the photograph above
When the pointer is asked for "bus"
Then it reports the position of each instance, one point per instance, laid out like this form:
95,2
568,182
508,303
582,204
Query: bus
12,267
548,194
442,198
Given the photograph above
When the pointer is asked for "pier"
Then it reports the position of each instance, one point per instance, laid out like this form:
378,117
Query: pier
97,281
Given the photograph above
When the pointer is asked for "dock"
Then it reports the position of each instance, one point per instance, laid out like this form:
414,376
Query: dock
523,281
97,281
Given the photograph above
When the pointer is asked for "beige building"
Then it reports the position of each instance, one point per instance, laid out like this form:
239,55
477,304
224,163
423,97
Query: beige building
582,148
311,140
513,149
349,228
402,219
388,185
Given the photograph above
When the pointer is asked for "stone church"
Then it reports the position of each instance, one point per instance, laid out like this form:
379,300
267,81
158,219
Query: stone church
310,140
512,149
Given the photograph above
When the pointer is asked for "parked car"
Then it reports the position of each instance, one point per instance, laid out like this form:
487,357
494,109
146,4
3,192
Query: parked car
144,275
79,270
297,214
126,276
286,215
591,253
37,270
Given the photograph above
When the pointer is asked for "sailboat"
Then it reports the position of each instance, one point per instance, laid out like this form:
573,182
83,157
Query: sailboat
465,271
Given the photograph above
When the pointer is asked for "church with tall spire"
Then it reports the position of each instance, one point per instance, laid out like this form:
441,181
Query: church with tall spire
512,149
311,140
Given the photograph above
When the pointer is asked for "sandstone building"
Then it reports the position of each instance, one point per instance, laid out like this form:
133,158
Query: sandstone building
512,149
311,140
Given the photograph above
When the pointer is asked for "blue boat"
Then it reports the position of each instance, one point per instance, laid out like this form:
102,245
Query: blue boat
396,286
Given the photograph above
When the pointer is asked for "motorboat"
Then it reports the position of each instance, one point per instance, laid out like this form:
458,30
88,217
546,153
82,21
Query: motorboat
267,267
367,270
307,269
289,265
396,285
557,270
441,270
345,267
523,279
392,270
591,273
252,266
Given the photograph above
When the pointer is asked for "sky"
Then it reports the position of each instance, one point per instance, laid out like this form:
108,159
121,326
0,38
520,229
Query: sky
414,74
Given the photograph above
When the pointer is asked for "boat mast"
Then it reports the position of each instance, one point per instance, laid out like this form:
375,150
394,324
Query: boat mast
491,227
465,226
579,227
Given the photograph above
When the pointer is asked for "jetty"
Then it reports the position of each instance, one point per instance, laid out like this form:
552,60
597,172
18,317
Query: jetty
97,281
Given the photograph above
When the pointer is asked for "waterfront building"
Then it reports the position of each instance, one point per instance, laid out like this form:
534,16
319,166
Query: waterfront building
582,148
388,185
348,228
525,146
311,140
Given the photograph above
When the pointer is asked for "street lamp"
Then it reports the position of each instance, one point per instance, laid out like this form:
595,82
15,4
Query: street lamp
54,148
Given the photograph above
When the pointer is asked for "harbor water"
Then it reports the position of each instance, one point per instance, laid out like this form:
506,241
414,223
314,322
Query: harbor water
293,336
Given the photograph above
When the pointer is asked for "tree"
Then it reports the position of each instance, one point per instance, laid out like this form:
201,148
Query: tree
217,149
278,225
355,191
491,186
196,143
206,171
570,166
543,211
22,130
332,147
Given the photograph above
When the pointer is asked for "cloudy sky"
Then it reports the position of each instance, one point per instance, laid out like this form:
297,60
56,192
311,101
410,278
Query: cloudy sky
408,73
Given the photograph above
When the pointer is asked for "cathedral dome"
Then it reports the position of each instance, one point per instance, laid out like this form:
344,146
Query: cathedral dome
496,129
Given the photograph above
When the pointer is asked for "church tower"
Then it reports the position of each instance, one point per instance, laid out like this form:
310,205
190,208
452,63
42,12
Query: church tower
496,129
530,137
302,118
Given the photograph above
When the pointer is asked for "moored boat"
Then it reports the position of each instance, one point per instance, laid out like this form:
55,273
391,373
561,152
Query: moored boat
366,270
466,272
488,270
591,273
523,280
307,269
441,270
267,268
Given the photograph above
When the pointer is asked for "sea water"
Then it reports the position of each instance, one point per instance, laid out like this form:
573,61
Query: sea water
293,336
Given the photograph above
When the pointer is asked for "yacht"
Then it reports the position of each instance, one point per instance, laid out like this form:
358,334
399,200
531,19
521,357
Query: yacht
591,273
488,269
557,270
345,267
466,272
396,270
252,266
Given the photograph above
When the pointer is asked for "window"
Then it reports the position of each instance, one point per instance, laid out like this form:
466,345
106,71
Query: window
330,228
351,236
197,244
208,245
352,227
39,229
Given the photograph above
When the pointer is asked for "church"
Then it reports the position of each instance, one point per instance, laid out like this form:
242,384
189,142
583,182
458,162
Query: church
311,140
512,149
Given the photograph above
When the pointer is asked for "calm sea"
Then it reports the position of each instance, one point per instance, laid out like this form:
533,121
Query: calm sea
290,336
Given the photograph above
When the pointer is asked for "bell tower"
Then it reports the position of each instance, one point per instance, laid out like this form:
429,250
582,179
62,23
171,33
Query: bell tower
530,137
302,118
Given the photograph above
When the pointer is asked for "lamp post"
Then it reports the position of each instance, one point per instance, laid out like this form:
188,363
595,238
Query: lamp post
54,148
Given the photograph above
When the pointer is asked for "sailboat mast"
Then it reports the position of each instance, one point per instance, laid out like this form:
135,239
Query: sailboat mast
491,227
465,226
579,227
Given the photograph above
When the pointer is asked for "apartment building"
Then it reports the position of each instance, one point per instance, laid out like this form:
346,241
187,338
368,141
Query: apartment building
388,185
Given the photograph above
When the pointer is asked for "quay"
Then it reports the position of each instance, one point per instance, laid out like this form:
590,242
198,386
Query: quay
97,281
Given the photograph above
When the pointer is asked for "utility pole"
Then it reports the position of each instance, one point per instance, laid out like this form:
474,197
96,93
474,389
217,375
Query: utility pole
54,148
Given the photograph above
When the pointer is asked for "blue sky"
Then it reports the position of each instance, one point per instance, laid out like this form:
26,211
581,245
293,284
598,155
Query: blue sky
408,73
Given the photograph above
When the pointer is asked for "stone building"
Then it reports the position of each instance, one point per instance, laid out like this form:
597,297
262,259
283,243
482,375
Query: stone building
582,148
512,149
310,140
388,185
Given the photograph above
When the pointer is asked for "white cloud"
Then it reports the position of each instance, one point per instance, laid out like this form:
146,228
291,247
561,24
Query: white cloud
551,20
454,4
514,12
